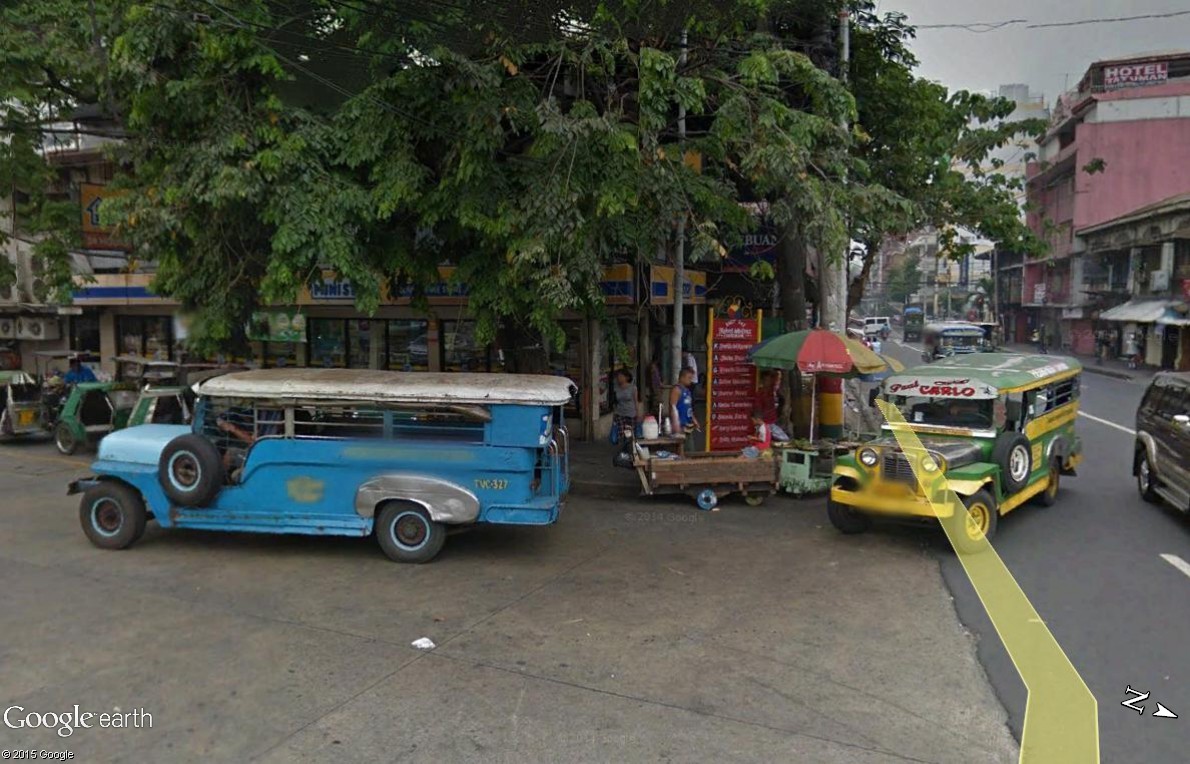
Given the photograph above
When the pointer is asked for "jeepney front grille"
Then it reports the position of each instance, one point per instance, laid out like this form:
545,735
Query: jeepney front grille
896,467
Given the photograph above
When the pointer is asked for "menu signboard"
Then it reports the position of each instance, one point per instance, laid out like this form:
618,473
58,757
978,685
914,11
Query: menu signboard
731,382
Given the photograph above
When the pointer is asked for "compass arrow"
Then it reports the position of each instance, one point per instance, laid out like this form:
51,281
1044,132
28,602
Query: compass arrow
1164,712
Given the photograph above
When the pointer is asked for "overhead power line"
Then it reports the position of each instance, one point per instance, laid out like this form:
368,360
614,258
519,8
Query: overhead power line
981,27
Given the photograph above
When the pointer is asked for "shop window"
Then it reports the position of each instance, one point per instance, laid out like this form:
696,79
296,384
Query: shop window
151,336
359,343
408,345
328,342
460,351
84,332
280,355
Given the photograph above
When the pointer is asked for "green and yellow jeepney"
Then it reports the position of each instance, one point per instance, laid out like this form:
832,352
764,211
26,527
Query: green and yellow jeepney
999,427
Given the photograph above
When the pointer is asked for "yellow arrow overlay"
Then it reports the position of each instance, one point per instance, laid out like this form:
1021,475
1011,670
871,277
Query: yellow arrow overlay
1061,715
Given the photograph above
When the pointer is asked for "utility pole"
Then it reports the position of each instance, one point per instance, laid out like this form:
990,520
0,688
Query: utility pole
679,285
835,273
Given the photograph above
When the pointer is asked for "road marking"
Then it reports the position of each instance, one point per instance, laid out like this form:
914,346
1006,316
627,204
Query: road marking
1177,562
1061,714
1119,427
907,345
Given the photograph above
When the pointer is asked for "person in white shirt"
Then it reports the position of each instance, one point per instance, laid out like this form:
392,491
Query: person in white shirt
691,362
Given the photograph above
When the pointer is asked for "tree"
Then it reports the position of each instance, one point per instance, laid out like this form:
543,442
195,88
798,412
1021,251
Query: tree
904,279
266,139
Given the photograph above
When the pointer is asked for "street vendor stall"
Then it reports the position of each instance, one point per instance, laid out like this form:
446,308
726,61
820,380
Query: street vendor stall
806,466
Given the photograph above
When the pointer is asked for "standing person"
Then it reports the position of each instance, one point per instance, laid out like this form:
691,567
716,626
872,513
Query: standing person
681,409
626,413
690,362
1041,340
767,401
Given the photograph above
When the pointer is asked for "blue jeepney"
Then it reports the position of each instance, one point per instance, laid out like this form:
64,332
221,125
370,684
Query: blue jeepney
340,452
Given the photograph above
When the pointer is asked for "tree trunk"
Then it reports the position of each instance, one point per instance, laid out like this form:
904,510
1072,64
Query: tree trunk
791,276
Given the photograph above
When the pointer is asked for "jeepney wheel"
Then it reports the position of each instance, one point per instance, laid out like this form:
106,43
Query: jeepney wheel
1049,496
978,522
65,439
407,533
847,520
112,515
754,499
1146,481
707,499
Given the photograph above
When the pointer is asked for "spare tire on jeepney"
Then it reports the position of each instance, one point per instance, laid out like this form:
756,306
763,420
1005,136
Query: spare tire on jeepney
190,471
1014,455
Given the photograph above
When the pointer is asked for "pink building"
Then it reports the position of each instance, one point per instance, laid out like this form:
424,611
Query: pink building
1117,146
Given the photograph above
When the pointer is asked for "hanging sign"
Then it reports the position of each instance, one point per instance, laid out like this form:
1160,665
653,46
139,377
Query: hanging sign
731,379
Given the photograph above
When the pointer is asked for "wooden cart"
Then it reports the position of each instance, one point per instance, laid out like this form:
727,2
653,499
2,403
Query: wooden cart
707,477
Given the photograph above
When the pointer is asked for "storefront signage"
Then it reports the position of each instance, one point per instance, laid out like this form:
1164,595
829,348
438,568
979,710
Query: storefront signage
661,287
1135,75
731,381
619,284
95,234
1039,293
277,326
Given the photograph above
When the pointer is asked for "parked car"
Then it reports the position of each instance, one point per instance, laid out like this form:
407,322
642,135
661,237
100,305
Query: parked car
1161,461
999,427
404,455
21,414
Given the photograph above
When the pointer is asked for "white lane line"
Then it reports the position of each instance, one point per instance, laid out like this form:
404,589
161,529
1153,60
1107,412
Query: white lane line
907,345
1119,427
1177,562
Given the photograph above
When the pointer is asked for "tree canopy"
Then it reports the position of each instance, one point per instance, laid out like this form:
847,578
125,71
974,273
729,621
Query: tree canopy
528,144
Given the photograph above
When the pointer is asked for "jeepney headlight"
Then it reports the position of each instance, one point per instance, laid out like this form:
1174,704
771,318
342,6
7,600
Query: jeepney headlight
932,464
868,457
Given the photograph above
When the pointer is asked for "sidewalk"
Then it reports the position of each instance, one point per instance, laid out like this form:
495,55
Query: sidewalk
592,473
1112,367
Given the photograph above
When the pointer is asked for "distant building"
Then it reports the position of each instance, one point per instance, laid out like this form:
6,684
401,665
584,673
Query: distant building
1110,191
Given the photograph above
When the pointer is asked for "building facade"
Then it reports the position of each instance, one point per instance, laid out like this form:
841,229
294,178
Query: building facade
1114,162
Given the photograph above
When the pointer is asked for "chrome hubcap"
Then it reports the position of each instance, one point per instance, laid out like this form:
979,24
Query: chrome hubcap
1019,464
1143,474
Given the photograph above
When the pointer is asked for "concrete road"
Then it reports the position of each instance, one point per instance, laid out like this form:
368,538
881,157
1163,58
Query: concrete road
628,632
1092,567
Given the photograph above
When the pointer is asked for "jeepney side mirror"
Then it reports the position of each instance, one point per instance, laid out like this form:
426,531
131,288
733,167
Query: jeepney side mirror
1182,420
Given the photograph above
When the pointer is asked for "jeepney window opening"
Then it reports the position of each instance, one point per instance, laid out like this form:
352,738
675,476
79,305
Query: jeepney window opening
453,423
340,422
260,421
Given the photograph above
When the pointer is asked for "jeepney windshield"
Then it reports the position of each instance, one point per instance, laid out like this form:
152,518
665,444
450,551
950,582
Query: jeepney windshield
945,412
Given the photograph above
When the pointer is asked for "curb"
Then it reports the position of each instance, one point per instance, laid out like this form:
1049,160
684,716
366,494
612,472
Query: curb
1108,373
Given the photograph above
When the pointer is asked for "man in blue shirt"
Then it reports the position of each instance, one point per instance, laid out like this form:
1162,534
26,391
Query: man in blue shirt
681,409
78,373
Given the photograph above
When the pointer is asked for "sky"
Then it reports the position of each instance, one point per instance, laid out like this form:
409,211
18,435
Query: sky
1049,60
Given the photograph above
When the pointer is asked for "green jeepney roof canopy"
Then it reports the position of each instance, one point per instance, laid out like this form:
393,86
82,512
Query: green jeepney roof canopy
981,375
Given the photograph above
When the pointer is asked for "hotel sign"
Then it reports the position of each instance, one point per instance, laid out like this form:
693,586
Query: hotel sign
1135,75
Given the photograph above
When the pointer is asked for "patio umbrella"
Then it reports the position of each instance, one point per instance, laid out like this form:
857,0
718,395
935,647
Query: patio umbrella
817,351
892,366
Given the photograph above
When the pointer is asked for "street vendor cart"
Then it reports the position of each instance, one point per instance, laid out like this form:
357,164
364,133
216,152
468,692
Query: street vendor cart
707,477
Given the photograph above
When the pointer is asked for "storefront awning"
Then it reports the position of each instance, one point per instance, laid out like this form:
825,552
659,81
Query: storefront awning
1137,312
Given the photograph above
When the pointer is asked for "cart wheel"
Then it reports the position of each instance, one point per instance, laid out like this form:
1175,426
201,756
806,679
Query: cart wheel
754,499
707,500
